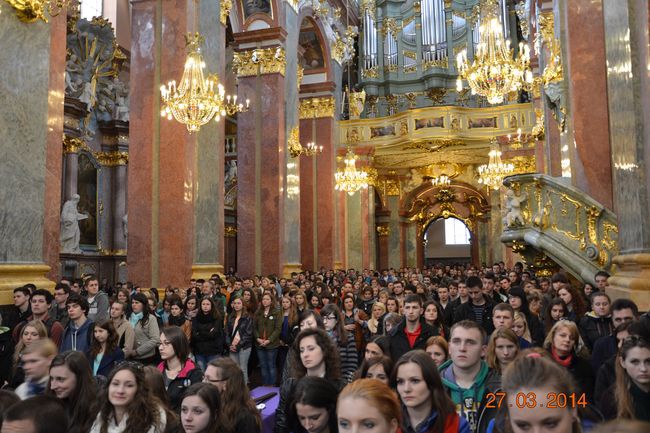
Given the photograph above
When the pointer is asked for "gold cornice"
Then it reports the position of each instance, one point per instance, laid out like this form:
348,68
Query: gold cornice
311,108
383,231
260,61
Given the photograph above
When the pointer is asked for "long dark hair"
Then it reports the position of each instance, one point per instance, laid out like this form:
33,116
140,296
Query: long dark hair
440,400
210,396
235,397
82,402
141,298
141,413
179,342
330,354
339,331
316,392
111,342
624,399
548,319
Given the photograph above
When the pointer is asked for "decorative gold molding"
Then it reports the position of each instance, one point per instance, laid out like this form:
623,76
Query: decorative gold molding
224,10
260,61
205,271
383,231
442,64
523,164
299,76
314,108
107,252
29,11
290,268
370,73
369,7
73,145
14,275
389,25
293,143
230,231
112,159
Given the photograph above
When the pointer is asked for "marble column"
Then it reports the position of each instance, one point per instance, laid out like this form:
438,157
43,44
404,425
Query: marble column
341,230
119,207
587,90
209,185
71,173
394,236
308,199
262,162
162,153
31,114
628,90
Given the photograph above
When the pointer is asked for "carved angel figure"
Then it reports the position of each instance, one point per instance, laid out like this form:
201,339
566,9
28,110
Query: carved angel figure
513,216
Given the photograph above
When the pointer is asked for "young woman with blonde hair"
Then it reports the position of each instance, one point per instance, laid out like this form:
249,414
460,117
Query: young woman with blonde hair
502,349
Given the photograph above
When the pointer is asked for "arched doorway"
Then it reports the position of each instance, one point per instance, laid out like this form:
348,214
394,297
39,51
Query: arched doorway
447,241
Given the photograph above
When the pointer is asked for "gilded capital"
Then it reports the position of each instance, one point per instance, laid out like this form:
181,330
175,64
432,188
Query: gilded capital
225,7
383,231
230,231
112,159
260,61
314,108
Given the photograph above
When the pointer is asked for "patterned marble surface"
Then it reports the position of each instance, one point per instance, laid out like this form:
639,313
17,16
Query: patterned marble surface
24,56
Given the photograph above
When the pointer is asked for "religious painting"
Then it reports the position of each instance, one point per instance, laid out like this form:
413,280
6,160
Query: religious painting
382,131
435,122
251,7
487,122
87,190
311,53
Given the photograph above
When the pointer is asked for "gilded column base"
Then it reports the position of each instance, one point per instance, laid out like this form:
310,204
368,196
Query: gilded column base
288,268
13,275
205,271
338,265
631,279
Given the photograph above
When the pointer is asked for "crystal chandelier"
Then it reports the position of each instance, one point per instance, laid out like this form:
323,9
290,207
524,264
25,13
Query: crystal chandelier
350,179
491,174
196,100
493,73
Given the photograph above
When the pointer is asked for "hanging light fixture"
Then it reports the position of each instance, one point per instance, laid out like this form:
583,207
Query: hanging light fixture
350,179
491,174
493,73
197,100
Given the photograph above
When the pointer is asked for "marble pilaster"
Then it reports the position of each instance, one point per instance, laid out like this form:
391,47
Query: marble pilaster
24,115
394,237
119,206
209,191
162,153
586,66
261,147
628,90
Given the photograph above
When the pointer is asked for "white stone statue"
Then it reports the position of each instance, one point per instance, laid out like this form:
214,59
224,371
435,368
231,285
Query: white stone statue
88,95
231,175
513,216
70,233
72,70
121,108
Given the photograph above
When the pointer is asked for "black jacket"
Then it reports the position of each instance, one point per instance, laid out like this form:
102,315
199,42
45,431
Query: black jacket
245,328
605,377
593,327
287,390
109,360
466,312
399,343
207,335
189,375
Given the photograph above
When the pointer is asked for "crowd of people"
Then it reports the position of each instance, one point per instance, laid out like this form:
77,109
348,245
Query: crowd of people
433,350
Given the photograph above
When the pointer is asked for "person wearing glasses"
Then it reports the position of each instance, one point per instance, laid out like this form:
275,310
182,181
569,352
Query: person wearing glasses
335,326
178,370
238,411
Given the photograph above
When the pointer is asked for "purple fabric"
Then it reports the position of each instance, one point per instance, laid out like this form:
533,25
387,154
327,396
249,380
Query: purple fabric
268,413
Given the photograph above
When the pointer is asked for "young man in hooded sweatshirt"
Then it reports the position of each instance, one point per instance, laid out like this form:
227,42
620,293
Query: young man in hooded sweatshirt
466,376
78,333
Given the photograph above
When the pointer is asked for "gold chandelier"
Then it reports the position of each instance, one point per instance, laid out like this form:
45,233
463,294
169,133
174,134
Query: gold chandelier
296,149
491,174
350,179
197,100
493,73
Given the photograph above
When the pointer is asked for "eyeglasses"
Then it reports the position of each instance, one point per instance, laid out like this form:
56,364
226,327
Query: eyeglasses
329,318
213,381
